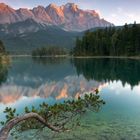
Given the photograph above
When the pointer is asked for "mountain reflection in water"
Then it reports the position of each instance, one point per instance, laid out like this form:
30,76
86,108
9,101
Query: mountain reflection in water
63,78
69,87
29,82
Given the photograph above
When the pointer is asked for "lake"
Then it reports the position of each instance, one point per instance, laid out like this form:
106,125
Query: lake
31,81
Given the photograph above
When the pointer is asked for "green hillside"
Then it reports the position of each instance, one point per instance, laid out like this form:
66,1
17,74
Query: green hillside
34,36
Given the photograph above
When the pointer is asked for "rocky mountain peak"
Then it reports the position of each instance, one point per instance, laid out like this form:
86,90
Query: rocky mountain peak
41,15
93,12
68,16
3,5
52,5
55,13
5,8
39,7
23,10
69,5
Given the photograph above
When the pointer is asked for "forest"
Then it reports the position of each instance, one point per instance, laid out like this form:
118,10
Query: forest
110,41
2,48
49,51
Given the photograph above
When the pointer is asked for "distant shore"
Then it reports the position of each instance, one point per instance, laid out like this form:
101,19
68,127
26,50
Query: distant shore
38,56
119,57
80,57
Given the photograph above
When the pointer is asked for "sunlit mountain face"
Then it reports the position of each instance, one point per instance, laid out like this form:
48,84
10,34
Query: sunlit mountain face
68,17
22,30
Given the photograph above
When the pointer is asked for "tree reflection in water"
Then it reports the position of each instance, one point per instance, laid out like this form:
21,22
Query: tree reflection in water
3,73
49,60
125,70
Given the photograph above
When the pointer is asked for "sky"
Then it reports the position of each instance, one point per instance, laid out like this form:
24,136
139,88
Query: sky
118,12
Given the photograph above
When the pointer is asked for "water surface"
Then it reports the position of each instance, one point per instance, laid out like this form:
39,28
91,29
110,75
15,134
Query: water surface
28,82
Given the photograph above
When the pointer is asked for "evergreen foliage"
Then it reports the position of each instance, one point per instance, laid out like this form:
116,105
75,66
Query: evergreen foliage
2,48
64,116
110,41
49,51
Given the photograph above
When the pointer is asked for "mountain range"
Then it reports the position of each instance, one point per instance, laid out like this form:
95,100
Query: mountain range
35,36
69,17
53,25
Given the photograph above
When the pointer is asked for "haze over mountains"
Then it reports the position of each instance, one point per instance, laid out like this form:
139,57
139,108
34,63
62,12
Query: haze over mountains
26,29
69,17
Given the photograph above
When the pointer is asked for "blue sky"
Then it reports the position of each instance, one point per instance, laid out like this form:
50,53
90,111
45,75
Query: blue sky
118,12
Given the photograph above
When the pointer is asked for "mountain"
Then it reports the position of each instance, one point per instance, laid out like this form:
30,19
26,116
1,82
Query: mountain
22,30
68,17
20,39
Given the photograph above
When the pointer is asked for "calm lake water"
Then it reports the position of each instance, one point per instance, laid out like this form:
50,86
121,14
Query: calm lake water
27,82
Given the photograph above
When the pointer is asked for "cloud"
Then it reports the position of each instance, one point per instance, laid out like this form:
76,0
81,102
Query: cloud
121,16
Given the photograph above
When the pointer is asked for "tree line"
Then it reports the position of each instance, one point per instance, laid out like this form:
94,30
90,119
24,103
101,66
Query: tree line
111,41
109,70
49,51
2,47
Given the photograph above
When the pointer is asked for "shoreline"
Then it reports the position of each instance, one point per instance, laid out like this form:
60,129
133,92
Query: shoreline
79,57
112,57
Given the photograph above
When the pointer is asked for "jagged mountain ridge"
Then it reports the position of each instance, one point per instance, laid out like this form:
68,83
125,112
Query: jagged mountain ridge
68,17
